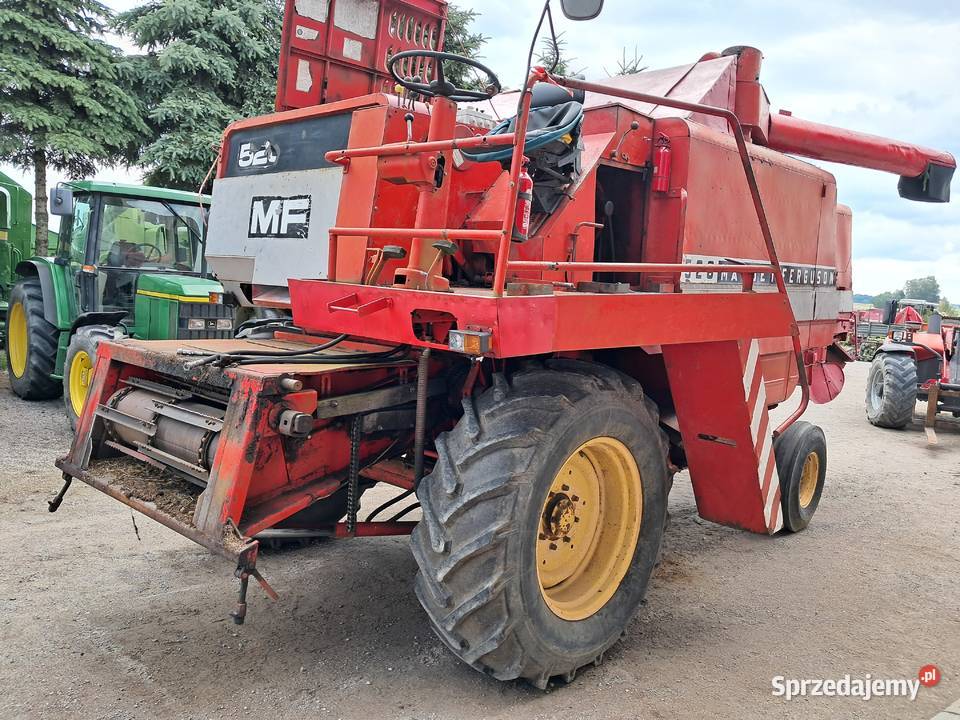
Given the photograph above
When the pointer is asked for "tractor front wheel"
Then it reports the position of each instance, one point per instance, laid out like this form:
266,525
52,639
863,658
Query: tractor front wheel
31,344
78,367
542,520
891,390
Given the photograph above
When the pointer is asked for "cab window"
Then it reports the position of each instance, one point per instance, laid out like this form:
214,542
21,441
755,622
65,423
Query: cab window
73,233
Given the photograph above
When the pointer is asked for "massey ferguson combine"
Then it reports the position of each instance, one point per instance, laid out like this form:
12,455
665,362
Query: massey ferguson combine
531,327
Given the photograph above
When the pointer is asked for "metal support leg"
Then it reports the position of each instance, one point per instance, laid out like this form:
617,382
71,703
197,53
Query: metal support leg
240,614
420,439
933,400
54,505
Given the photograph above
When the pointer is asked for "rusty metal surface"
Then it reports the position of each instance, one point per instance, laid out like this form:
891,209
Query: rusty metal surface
219,543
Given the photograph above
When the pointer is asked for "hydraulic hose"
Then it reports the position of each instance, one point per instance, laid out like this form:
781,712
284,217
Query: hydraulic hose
307,359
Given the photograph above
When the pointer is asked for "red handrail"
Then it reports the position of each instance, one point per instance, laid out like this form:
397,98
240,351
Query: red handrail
637,267
428,233
412,148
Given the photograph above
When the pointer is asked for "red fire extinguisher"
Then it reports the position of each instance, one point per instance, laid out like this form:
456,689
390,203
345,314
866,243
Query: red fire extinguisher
661,165
521,219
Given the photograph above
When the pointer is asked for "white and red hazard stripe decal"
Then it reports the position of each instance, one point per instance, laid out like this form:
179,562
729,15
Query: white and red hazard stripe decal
755,393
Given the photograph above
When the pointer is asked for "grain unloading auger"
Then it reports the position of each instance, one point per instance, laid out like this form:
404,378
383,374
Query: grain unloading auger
518,325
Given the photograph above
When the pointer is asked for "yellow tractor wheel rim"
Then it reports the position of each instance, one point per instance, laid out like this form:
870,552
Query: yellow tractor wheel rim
81,370
589,527
808,479
17,342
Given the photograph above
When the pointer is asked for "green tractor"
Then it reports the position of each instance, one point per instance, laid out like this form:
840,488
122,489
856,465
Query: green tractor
16,235
129,262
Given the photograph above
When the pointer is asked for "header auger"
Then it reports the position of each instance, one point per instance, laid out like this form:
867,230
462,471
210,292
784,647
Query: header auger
532,326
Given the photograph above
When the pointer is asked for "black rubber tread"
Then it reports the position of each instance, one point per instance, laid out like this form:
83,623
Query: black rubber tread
37,382
790,451
899,400
477,505
86,338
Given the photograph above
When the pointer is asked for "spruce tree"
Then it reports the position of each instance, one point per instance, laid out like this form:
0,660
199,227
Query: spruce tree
460,40
206,64
62,100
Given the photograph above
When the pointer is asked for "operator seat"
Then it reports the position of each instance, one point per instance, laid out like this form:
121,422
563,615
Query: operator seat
120,286
553,144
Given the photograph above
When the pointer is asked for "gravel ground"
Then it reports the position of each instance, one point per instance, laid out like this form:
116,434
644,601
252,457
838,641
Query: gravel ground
98,622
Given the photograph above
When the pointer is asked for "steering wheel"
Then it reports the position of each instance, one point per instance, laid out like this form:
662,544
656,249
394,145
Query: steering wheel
146,249
441,87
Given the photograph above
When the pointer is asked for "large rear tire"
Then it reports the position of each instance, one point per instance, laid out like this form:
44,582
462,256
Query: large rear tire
542,520
31,345
891,390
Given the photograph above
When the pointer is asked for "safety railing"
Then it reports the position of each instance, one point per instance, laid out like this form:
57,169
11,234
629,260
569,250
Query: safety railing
734,123
518,139
343,157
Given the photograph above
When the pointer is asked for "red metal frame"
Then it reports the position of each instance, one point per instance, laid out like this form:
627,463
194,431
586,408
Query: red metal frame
259,477
539,74
734,123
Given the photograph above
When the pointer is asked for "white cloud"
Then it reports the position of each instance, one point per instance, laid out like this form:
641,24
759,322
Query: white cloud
875,275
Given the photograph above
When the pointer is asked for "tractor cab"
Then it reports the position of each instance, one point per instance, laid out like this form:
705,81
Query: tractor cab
911,312
108,242
129,262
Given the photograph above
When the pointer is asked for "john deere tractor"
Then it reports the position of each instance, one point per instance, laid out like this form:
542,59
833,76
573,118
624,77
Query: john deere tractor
16,235
129,262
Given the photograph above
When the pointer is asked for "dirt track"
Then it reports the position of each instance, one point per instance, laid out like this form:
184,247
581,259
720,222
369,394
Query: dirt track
96,623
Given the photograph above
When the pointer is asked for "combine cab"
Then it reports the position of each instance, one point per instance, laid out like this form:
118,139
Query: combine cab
532,328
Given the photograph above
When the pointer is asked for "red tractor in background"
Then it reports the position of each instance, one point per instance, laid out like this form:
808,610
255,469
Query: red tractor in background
918,361
531,327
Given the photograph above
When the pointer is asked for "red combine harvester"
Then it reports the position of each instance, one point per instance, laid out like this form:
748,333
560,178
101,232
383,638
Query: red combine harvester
533,328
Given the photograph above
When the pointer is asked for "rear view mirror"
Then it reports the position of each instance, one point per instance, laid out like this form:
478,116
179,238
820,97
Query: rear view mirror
61,200
581,9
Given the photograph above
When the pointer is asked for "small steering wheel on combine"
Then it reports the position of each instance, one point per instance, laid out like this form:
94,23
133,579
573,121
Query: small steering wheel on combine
441,87
151,253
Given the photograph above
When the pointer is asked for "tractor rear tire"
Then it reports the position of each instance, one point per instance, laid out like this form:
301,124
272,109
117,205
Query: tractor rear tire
31,344
891,390
497,505
801,457
79,365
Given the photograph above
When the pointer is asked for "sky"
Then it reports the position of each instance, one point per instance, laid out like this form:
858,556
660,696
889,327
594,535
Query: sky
880,66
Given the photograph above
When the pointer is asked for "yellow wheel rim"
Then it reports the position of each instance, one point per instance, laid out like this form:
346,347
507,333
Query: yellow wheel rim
589,527
17,340
808,479
81,370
